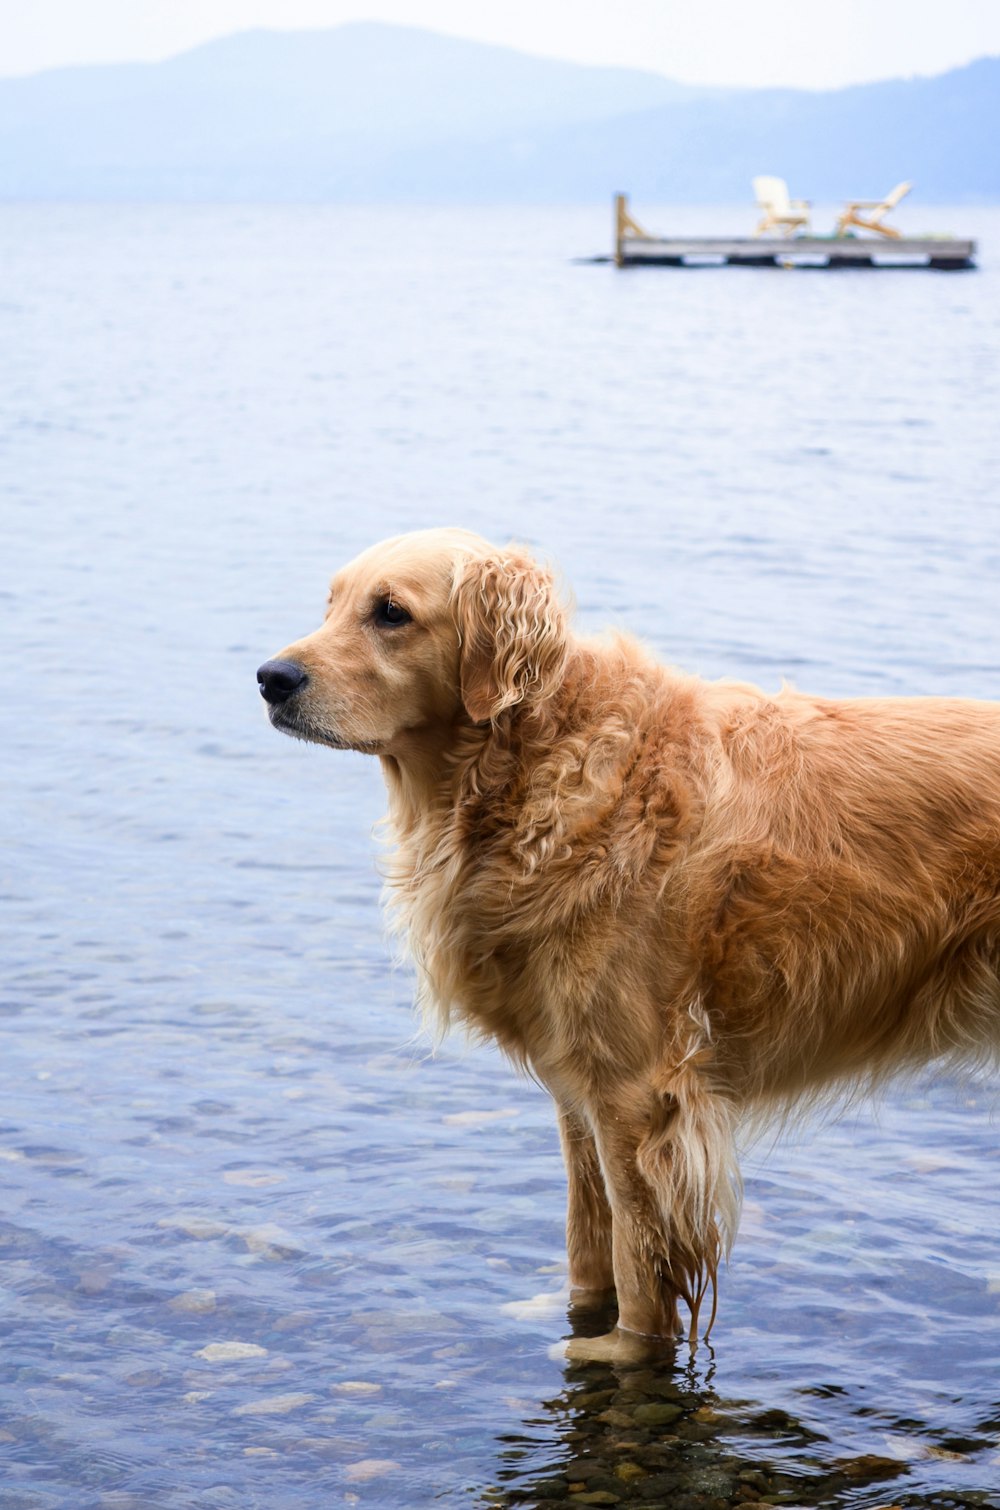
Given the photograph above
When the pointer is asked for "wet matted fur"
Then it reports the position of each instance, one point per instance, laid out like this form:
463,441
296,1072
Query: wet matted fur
681,904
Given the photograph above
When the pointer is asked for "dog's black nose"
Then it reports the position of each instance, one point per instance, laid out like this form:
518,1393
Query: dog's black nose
280,680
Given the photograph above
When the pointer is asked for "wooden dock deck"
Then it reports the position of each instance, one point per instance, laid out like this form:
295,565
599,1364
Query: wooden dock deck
635,248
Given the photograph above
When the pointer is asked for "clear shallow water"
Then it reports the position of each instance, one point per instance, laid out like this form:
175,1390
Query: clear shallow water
254,1241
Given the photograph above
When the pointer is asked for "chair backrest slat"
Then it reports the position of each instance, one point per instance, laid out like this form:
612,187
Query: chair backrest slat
771,194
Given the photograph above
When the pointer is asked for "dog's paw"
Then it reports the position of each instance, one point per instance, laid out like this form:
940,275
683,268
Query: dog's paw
549,1303
616,1346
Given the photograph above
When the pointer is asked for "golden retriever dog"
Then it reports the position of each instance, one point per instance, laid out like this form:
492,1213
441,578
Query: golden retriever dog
680,904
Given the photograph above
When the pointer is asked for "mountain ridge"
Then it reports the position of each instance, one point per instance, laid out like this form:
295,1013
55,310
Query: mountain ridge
372,112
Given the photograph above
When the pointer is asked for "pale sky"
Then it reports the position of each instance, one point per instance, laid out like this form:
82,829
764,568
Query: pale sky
804,43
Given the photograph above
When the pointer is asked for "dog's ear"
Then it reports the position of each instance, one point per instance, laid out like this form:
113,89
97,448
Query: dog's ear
512,629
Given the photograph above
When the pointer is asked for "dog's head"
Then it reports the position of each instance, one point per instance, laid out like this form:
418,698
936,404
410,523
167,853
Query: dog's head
420,632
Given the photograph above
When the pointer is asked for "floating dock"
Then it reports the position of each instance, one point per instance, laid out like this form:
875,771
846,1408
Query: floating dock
635,248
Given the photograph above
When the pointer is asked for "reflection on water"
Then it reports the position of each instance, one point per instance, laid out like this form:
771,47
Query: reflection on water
665,1435
256,1244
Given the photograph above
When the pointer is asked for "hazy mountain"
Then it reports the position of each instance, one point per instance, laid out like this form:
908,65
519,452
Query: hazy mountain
371,112
942,133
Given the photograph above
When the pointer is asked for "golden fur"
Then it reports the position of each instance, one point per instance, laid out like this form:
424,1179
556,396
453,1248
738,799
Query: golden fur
680,903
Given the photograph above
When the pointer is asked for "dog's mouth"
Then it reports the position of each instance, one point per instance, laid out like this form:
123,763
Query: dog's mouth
284,717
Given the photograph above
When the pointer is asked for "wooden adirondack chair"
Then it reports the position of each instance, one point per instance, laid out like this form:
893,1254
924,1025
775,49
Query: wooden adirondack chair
876,210
780,212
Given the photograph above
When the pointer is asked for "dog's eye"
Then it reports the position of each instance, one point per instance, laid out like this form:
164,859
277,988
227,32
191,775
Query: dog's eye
391,614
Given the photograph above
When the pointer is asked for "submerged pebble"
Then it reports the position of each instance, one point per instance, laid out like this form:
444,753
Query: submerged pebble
228,1352
370,1468
656,1414
274,1405
197,1302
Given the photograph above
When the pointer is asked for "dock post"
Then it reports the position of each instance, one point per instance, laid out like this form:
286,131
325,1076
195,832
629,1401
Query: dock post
621,221
625,226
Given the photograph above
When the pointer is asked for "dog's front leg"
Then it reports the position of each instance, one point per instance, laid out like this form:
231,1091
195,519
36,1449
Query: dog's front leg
663,1149
588,1215
640,1250
641,1240
667,1153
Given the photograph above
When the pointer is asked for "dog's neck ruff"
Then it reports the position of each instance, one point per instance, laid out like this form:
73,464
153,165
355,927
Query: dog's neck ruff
512,861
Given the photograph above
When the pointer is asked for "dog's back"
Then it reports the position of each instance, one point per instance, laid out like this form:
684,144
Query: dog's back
844,892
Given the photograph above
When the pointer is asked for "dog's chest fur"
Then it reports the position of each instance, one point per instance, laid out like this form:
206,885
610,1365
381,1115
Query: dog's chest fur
522,884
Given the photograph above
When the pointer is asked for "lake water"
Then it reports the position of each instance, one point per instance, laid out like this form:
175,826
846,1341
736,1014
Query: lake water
255,1241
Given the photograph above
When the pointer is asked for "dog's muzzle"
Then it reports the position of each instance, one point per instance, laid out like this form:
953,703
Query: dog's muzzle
280,680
